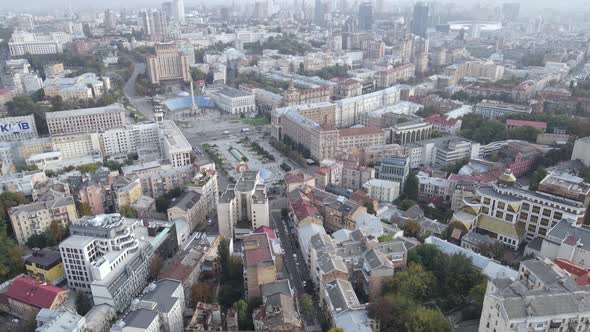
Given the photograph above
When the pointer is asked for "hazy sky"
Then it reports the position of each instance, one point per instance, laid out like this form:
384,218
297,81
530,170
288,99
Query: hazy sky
57,6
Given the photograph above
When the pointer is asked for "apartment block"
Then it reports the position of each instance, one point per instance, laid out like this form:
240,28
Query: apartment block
515,305
243,207
106,256
86,120
191,207
35,218
260,265
22,43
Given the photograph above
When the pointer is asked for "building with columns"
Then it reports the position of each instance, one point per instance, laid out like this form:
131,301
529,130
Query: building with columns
410,132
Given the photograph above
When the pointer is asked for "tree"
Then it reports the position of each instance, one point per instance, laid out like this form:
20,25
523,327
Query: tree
11,262
162,204
8,200
223,253
57,104
88,168
244,318
482,130
413,283
370,208
198,75
426,320
156,264
391,310
537,177
307,304
27,168
57,232
128,212
494,251
525,133
412,229
84,209
37,241
411,187
336,329
406,204
200,293
83,303
385,238
477,293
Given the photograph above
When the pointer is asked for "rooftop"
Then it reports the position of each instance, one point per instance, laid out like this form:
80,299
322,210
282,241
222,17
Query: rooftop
187,201
141,318
114,108
33,292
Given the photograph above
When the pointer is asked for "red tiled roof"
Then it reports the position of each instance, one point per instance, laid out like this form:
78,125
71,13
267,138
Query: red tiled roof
522,123
33,292
443,120
267,230
304,209
581,274
257,249
294,176
4,91
360,131
178,271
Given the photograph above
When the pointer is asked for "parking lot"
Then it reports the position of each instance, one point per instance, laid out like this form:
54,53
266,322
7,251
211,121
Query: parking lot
233,149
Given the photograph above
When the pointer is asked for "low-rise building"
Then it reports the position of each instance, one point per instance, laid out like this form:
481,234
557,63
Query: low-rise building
26,296
581,151
45,265
382,190
232,100
278,311
493,109
444,124
83,87
191,207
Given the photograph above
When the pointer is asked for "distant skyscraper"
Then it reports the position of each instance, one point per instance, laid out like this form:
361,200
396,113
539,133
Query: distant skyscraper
319,14
420,19
179,5
510,10
174,10
109,19
155,24
365,16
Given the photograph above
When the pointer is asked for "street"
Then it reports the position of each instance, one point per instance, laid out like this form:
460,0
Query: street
293,260
141,104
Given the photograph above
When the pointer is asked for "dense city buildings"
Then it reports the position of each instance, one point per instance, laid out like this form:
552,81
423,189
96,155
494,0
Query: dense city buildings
294,166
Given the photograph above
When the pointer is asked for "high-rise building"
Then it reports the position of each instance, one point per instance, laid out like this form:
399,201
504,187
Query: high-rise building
155,24
168,64
109,19
179,14
365,16
420,19
243,207
318,13
510,10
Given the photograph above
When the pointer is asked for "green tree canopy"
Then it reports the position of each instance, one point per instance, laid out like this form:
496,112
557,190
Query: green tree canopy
426,320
